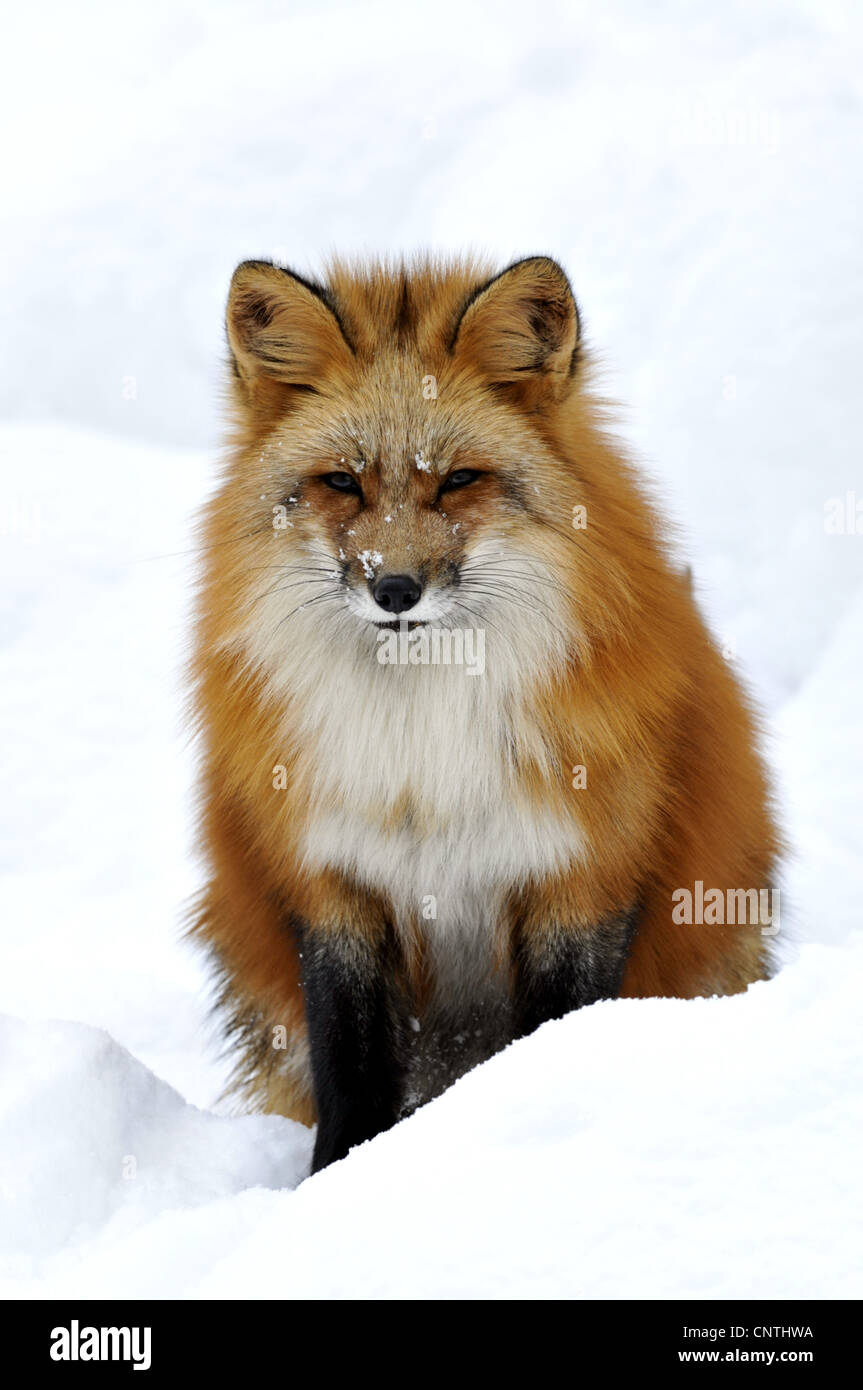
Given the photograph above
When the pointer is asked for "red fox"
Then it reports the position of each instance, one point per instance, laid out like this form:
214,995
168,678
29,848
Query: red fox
414,861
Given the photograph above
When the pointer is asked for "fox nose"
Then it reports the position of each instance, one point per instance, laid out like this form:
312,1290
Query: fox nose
396,593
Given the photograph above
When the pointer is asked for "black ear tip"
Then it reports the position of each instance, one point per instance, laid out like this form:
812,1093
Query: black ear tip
245,267
559,283
547,266
552,273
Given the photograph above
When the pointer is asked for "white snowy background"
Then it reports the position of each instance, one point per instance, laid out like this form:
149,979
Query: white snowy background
698,171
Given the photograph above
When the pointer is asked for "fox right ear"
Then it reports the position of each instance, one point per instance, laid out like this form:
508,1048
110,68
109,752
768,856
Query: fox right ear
282,327
521,330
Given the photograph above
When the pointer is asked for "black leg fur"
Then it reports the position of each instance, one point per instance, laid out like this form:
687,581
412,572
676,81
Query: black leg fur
352,1016
561,969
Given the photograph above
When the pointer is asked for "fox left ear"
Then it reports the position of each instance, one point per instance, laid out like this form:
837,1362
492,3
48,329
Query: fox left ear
522,331
282,328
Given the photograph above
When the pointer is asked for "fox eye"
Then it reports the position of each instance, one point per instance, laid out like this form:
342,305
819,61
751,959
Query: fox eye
462,477
341,482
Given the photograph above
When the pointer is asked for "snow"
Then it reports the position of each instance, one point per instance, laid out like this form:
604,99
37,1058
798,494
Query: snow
371,561
638,1148
699,177
94,1163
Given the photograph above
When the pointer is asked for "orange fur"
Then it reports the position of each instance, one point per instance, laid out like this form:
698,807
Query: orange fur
676,791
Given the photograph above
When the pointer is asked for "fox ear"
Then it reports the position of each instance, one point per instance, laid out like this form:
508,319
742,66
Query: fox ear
521,330
282,327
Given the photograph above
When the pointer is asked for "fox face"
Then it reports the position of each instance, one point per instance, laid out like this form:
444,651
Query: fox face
395,444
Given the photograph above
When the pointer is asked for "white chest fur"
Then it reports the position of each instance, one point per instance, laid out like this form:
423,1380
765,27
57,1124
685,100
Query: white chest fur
410,771
416,790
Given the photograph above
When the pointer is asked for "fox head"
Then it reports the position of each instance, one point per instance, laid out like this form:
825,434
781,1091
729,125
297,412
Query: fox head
412,446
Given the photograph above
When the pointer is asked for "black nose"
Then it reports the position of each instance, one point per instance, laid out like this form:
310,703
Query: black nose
397,592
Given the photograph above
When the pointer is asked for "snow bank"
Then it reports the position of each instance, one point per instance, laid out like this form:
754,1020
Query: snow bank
649,1147
96,1150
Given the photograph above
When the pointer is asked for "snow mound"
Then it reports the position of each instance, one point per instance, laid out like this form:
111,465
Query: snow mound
686,1149
102,1147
